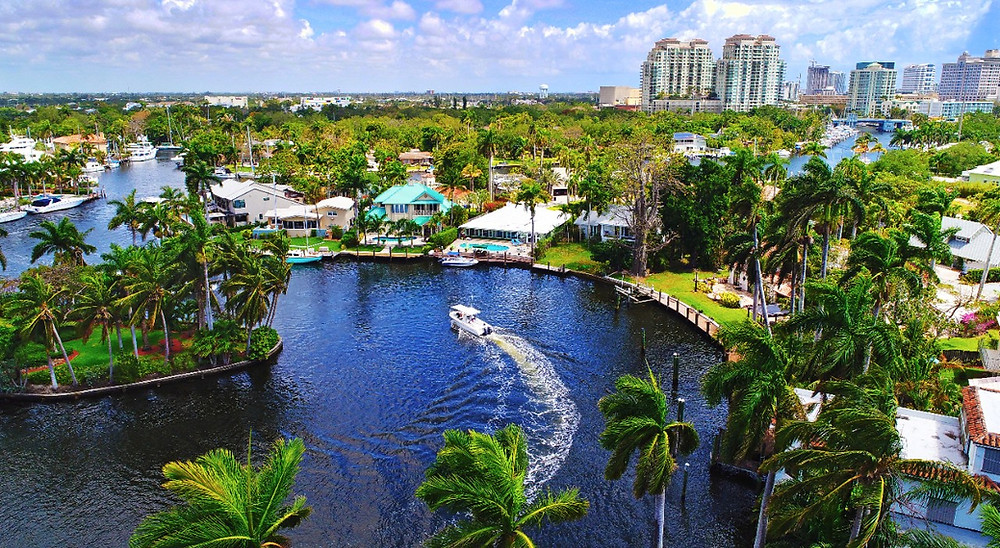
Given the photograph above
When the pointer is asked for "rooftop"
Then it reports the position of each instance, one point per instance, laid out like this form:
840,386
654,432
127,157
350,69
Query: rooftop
928,436
409,194
981,407
337,202
517,218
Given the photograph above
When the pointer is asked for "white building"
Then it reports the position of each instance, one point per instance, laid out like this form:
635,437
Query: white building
687,142
971,78
619,96
872,85
244,202
612,224
951,110
971,242
689,106
513,221
676,68
234,101
750,73
919,78
300,219
317,103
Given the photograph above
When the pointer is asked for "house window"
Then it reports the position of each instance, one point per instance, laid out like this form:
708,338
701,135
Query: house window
399,208
331,213
239,204
941,511
266,198
991,460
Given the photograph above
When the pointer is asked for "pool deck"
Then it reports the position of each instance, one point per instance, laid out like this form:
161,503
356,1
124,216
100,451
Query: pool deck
523,250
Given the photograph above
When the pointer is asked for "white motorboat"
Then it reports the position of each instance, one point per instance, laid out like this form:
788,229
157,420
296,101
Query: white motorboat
223,173
12,215
47,203
466,318
456,260
93,166
141,150
25,146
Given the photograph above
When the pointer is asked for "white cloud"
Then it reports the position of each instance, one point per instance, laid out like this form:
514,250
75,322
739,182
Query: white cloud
460,6
307,31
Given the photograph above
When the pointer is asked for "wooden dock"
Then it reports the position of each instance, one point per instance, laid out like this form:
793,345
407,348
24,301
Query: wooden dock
643,293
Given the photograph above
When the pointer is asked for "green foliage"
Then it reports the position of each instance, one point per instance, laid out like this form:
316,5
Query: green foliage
909,163
335,232
8,335
957,158
350,239
262,340
729,300
617,254
974,275
967,189
128,368
443,238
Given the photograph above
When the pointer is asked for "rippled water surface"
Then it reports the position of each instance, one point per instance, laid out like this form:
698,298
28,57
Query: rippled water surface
370,377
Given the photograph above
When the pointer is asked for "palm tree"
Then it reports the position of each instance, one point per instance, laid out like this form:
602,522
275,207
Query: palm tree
759,395
487,146
117,263
161,219
483,475
277,274
471,172
96,306
151,279
129,213
814,149
34,303
850,458
529,195
228,503
885,261
199,178
247,294
3,258
63,241
195,246
989,213
991,524
636,421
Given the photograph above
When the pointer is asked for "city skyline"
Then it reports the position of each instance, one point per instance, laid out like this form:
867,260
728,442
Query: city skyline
447,45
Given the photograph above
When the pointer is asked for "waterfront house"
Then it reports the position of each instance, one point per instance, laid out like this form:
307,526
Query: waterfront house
414,157
970,243
612,224
244,202
97,141
312,220
689,143
410,201
513,221
989,173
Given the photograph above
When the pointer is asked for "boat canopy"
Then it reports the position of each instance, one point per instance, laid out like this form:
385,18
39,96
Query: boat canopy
467,310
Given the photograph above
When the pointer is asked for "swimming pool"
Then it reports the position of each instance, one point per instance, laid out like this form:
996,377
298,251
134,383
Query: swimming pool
487,247
391,240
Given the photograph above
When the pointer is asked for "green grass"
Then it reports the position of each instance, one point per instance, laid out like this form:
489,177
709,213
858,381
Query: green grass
572,256
315,244
970,344
366,248
681,286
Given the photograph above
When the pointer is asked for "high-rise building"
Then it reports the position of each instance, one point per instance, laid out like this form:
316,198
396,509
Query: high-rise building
677,69
839,82
918,78
750,72
971,78
818,78
790,91
871,86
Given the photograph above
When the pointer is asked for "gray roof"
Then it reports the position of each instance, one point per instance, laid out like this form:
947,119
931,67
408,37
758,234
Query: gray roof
971,242
616,215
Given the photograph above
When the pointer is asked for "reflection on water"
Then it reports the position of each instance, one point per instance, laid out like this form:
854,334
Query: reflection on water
370,378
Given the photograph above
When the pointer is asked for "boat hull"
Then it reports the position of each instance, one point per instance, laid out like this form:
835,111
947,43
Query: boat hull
64,203
476,327
8,216
302,260
459,262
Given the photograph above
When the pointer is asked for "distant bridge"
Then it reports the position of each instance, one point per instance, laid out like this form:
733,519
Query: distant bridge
884,124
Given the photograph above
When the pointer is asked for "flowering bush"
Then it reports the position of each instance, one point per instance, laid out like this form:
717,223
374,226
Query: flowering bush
975,324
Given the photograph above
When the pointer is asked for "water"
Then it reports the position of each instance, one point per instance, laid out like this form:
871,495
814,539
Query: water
487,247
370,377
841,150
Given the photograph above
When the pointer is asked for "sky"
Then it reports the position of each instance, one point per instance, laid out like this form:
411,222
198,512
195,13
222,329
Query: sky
447,45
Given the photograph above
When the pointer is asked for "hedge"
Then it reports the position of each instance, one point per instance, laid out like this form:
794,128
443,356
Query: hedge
974,275
443,238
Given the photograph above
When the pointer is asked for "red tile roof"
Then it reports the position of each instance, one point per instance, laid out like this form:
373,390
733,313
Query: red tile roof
945,474
975,424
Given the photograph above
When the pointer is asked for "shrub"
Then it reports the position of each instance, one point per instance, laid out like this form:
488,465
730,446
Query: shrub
443,238
30,354
968,189
729,299
350,239
262,340
335,232
974,275
184,361
616,253
7,336
543,245
128,368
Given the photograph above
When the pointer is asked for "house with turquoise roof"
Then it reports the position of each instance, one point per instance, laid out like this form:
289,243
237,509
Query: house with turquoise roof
410,201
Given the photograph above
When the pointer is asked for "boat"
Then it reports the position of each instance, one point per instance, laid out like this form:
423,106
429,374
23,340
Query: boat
25,146
141,150
466,319
47,203
223,173
12,215
454,259
93,166
300,256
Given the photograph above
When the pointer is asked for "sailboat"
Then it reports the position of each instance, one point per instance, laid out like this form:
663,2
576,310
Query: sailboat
307,255
170,146
16,213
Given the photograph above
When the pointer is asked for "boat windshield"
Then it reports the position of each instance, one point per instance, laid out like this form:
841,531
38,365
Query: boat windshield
42,202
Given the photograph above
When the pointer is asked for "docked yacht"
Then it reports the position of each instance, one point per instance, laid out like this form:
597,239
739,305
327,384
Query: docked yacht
93,166
454,259
12,215
141,150
466,319
25,146
302,256
47,203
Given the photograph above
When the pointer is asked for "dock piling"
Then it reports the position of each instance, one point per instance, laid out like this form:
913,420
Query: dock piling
676,379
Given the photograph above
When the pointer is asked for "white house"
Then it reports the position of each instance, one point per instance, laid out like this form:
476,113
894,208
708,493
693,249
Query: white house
686,142
971,243
243,202
612,224
513,221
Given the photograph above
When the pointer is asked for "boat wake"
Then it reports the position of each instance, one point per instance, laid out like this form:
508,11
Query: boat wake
552,419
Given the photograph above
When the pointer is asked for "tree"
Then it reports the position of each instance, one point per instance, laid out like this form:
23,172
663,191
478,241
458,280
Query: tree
644,177
152,276
483,475
66,244
529,195
759,395
3,258
989,213
813,148
117,263
487,146
247,294
194,248
128,213
636,421
228,503
96,306
34,304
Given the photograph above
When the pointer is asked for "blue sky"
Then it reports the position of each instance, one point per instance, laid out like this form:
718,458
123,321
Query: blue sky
446,45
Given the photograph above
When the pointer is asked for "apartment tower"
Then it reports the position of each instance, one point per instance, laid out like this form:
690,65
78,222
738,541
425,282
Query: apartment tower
971,78
750,73
872,84
677,69
918,78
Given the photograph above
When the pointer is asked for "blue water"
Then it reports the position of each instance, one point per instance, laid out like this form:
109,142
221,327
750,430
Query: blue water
392,239
487,247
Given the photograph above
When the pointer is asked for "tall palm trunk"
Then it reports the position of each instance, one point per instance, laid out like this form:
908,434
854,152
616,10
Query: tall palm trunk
765,499
491,177
826,250
805,265
986,269
208,298
859,515
166,336
52,369
111,363
661,504
118,330
62,348
131,327
760,281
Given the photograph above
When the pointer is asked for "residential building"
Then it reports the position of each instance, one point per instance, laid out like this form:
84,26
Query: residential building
513,222
677,69
970,244
971,78
410,201
619,96
415,157
97,141
817,78
790,91
750,73
317,103
686,142
612,224
242,202
951,110
689,106
989,173
871,86
919,78
236,101
823,99
839,82
313,220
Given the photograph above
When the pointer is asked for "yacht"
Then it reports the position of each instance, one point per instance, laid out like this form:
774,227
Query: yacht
223,173
466,319
47,203
454,259
12,215
25,146
141,150
93,166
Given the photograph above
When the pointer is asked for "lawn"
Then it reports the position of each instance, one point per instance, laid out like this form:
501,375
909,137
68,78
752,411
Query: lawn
572,256
315,244
970,344
681,286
